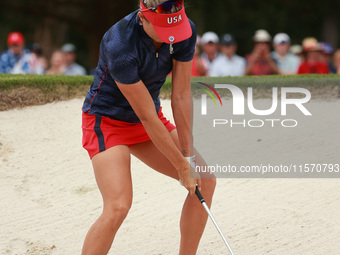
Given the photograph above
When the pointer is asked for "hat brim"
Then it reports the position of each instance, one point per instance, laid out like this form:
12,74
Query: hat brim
178,33
170,28
312,50
282,42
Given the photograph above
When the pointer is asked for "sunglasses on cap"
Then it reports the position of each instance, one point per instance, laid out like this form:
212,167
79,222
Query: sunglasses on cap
166,6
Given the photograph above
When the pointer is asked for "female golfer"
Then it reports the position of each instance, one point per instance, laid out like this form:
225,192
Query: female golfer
122,116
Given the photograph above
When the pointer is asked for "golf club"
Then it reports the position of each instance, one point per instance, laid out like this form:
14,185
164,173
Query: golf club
200,197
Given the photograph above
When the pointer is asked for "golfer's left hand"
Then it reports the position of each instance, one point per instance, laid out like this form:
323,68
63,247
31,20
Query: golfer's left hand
185,178
193,179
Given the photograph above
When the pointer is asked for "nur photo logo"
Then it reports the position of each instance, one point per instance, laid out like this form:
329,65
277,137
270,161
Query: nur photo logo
206,88
294,97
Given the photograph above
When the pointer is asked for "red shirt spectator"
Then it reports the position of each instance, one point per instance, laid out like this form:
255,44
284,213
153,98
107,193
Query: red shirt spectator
259,65
313,55
317,67
260,61
199,67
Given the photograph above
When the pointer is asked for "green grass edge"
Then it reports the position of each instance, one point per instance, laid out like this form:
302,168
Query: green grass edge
60,87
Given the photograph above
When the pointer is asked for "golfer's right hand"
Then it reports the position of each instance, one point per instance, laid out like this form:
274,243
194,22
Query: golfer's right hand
187,181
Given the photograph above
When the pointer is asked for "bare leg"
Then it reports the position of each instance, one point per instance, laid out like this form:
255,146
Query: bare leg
194,217
113,176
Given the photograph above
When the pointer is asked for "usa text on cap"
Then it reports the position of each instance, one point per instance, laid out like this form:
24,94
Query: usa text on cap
170,27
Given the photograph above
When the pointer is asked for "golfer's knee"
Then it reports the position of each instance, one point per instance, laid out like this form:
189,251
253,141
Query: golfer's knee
208,185
117,212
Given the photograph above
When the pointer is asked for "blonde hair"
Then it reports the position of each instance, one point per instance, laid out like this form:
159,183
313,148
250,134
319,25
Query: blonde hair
152,3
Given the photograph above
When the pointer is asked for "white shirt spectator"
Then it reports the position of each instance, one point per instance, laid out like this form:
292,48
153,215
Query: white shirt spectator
75,69
72,68
224,66
289,64
207,62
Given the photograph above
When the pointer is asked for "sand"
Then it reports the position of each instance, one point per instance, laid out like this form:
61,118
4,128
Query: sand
49,198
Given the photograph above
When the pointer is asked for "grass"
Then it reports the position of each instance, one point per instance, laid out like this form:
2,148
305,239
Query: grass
24,90
270,81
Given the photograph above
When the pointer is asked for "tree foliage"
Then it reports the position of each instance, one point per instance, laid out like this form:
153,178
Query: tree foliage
83,22
54,22
298,18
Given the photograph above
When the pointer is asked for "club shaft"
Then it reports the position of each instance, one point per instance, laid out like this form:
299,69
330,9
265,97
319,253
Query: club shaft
201,199
217,227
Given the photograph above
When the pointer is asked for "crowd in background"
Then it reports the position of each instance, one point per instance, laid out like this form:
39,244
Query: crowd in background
214,56
20,60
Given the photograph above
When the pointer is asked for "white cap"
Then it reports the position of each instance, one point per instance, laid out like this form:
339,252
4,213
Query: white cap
281,38
262,35
210,37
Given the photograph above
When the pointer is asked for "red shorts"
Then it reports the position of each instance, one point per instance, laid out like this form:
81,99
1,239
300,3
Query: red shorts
101,133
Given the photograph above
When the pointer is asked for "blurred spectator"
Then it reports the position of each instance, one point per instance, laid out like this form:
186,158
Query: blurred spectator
72,68
17,60
260,62
228,63
210,42
199,65
42,63
327,56
313,53
296,49
287,62
58,66
336,61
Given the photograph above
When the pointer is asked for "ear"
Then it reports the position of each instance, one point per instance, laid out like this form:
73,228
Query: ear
141,16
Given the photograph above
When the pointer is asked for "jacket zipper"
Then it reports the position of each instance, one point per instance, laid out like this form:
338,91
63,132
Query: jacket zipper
157,59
